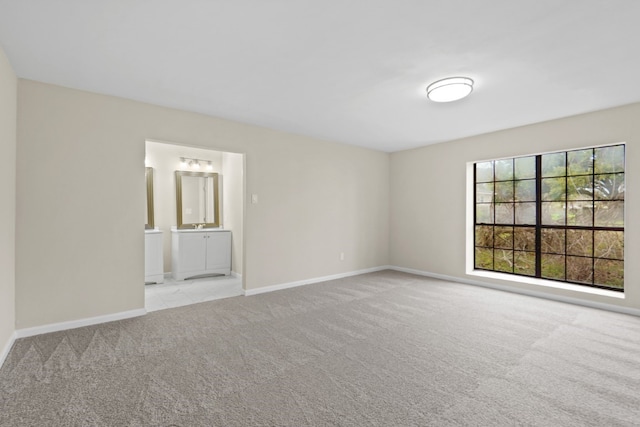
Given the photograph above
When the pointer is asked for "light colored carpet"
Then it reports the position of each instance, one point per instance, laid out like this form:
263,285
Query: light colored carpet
381,349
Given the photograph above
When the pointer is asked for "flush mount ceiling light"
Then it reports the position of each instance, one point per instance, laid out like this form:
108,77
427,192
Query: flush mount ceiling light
449,89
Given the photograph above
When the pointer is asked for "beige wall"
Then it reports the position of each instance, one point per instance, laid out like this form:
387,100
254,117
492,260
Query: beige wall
8,97
428,194
81,193
79,251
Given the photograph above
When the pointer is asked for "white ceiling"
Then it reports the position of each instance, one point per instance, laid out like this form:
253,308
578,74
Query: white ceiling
352,71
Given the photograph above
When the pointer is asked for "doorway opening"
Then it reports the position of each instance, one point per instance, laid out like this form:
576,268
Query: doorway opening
163,160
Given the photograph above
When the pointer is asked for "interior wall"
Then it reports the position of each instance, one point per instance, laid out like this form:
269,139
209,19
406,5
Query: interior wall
80,181
8,116
164,158
232,200
428,194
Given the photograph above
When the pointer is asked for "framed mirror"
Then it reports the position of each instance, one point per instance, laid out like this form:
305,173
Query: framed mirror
149,224
197,199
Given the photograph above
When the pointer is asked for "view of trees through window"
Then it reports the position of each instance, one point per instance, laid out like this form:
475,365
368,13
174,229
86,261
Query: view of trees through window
557,216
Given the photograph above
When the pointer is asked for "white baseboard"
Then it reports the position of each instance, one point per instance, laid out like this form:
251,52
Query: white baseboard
544,295
7,349
262,290
233,274
72,324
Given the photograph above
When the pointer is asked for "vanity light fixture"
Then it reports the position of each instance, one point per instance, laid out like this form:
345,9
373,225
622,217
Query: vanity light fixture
450,89
191,163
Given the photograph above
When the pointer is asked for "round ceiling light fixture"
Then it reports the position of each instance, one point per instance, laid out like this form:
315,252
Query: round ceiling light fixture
449,89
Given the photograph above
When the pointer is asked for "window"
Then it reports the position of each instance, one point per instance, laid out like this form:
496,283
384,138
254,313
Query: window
556,216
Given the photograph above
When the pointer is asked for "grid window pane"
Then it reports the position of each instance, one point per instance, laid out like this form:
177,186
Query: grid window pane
525,167
484,213
609,273
484,236
525,190
553,164
524,238
553,213
609,159
484,172
525,213
554,189
503,260
504,213
580,187
609,244
579,242
484,258
609,214
504,192
503,237
484,192
553,266
580,213
609,187
580,162
504,170
524,263
553,240
579,269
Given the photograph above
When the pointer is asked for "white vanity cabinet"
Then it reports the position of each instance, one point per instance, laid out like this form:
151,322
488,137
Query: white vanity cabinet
153,261
200,252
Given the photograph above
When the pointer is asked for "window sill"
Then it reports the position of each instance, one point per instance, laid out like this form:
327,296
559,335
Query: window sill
547,283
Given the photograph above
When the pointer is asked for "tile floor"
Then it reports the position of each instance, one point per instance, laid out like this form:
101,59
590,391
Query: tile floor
176,293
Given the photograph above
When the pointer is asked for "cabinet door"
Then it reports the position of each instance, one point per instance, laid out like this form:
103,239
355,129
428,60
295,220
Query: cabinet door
218,250
192,251
153,254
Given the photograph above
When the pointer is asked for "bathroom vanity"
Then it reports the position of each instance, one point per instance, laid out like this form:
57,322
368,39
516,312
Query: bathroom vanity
200,252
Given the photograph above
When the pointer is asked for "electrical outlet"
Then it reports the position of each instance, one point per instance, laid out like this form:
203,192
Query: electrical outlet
341,256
